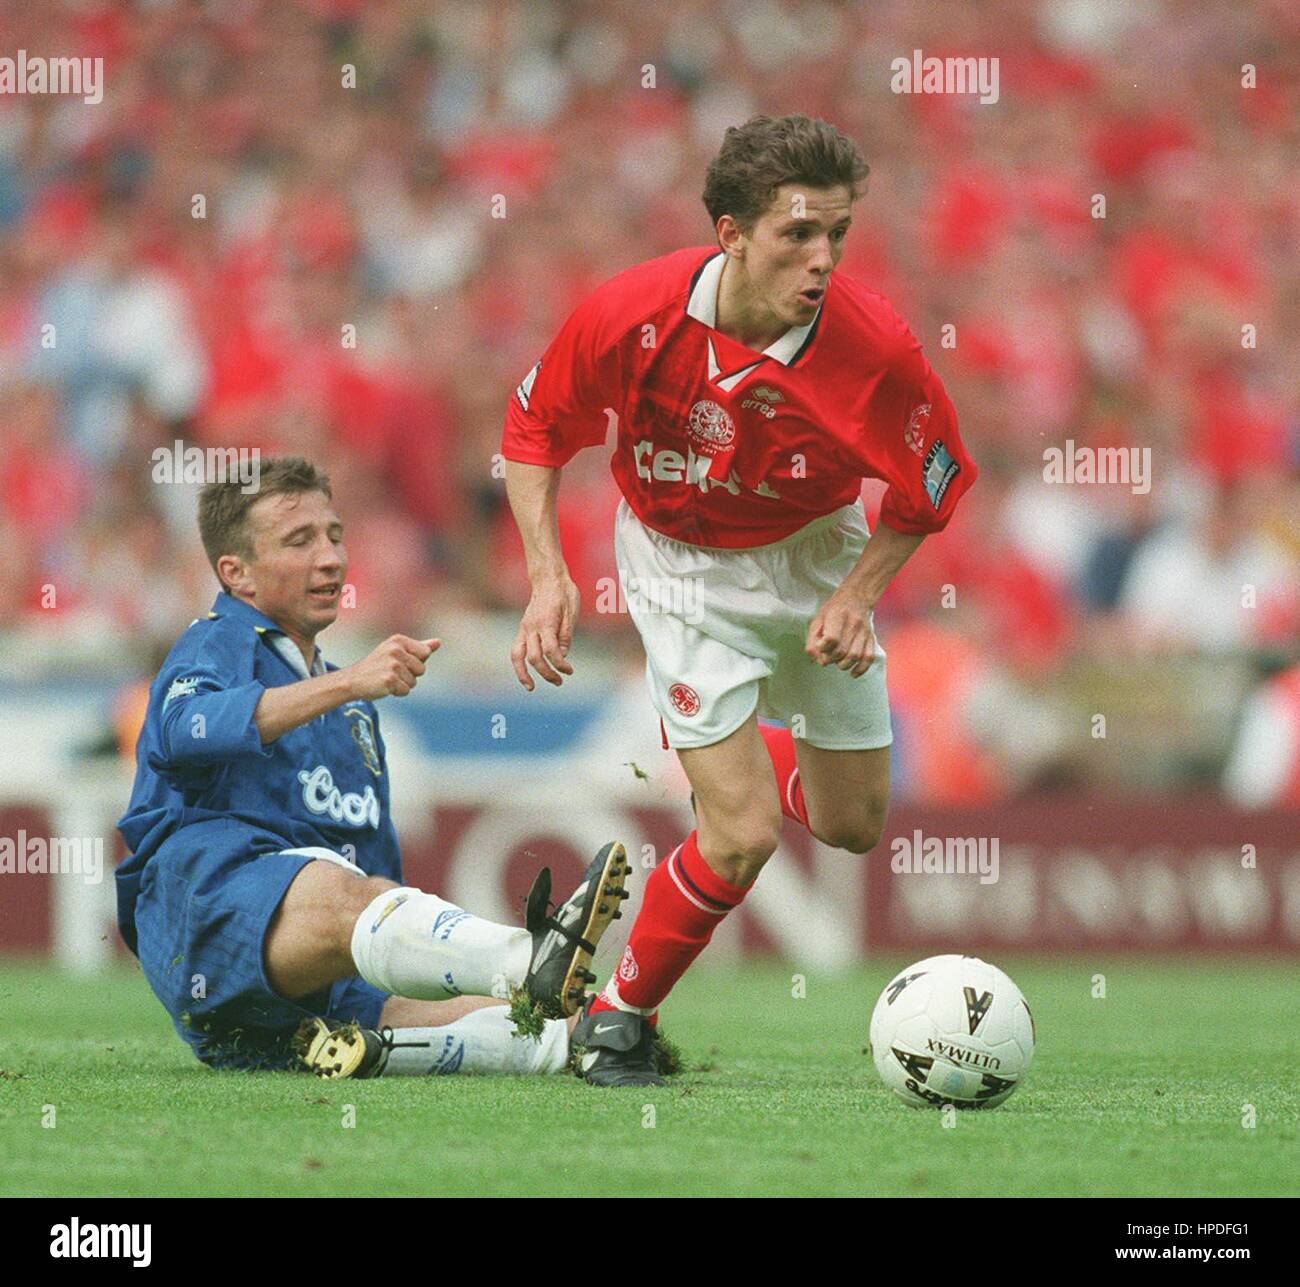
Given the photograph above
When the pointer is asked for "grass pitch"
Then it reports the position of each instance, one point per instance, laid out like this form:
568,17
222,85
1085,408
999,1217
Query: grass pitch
1144,1092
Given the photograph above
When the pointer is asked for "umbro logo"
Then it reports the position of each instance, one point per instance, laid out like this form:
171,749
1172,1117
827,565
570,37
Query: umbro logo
181,688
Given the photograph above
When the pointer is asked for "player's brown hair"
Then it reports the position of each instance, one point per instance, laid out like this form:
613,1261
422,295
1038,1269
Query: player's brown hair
758,157
224,506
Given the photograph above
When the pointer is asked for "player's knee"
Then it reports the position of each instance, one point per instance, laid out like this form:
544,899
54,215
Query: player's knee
853,841
309,940
362,892
348,896
856,836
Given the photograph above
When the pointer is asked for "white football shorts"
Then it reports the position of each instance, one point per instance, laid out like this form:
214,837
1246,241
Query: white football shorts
724,633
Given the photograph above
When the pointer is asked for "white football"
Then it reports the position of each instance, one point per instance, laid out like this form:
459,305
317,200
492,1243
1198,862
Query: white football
952,1030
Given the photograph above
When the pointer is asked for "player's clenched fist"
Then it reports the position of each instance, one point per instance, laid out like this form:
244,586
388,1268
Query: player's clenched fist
392,669
841,635
546,632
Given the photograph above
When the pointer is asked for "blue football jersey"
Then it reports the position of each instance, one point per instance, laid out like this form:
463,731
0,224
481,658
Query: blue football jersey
204,778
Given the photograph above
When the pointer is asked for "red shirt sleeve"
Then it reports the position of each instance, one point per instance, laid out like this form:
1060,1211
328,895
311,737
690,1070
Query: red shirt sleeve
559,406
912,443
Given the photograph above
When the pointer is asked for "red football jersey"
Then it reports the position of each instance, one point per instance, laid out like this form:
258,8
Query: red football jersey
719,445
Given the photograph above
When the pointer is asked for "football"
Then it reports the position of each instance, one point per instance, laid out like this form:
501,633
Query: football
952,1030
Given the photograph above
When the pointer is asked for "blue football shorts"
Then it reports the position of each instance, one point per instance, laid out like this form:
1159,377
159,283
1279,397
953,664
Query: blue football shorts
201,918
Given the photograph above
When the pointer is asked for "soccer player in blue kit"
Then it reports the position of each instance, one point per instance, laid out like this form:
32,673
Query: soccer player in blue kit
263,894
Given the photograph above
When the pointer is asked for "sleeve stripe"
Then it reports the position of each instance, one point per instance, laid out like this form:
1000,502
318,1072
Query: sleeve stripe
525,389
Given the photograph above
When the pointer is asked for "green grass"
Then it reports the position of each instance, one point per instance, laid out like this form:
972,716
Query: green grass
1139,1093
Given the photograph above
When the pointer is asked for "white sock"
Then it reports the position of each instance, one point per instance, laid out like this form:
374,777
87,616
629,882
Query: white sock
482,1041
414,944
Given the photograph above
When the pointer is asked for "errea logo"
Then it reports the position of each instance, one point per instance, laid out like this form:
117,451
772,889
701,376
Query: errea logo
763,400
74,1240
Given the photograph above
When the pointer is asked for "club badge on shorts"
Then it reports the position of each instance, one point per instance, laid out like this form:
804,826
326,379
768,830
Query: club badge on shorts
685,700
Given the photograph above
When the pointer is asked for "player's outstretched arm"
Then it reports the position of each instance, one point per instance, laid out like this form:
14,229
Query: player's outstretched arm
546,629
391,670
841,634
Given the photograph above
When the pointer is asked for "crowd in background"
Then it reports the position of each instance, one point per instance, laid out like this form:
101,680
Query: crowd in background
184,260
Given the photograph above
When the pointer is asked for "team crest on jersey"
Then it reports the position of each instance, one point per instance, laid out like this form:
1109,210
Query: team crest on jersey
685,700
914,434
363,734
710,428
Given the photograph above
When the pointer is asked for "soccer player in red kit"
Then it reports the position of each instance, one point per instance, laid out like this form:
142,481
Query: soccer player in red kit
754,390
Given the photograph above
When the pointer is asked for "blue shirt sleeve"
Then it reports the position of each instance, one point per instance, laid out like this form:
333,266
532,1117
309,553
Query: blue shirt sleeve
202,722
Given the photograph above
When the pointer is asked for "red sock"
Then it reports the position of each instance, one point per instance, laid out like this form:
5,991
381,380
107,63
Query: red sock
684,902
780,746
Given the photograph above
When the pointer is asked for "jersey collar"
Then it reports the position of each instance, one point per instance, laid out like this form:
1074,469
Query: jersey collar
226,605
702,305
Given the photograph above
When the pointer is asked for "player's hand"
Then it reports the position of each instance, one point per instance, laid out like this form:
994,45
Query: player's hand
841,634
546,632
392,669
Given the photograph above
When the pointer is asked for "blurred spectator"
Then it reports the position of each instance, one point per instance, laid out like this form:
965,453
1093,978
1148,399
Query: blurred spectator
1213,585
1264,769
